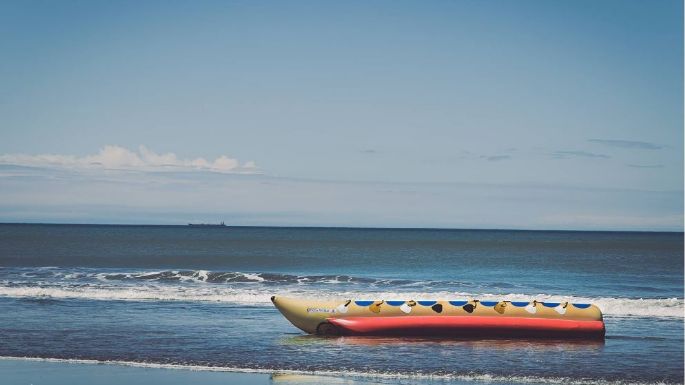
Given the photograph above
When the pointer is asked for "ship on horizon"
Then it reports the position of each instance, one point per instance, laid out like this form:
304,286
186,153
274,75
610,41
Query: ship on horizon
222,224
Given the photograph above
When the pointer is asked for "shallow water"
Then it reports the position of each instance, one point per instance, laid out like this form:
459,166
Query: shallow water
200,297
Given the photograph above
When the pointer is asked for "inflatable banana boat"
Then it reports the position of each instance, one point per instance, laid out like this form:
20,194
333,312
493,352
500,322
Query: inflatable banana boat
460,318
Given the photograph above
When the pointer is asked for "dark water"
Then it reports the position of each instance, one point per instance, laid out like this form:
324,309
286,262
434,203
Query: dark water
200,296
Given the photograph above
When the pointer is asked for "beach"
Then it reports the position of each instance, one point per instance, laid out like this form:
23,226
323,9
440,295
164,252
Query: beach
55,372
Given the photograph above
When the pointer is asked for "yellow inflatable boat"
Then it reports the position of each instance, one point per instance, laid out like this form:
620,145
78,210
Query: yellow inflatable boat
459,318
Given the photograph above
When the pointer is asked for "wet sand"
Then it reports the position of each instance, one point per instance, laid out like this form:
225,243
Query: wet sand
54,372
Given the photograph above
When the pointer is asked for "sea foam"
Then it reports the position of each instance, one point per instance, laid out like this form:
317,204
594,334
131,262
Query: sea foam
260,296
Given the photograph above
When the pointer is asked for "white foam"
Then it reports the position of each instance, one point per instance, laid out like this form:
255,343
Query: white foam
203,275
619,307
197,276
138,293
253,277
144,274
470,377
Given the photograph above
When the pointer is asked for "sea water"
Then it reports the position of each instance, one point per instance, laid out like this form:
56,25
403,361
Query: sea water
199,297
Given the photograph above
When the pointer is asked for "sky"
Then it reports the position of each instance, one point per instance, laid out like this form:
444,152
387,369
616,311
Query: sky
459,114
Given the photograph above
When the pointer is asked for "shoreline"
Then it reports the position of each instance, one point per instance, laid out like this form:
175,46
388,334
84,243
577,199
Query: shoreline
29,370
33,370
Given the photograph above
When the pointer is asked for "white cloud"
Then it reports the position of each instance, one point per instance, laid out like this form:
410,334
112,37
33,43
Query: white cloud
113,157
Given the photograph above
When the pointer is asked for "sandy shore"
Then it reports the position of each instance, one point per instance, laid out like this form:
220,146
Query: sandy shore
17,371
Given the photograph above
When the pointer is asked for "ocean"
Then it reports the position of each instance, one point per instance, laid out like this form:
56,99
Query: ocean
199,297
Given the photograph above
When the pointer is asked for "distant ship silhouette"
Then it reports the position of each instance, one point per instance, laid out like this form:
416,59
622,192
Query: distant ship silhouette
222,224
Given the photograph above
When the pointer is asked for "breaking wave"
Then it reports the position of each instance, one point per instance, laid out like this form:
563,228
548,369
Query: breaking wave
204,276
619,307
256,289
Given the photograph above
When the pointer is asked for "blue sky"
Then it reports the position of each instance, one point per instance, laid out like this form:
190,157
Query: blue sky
489,114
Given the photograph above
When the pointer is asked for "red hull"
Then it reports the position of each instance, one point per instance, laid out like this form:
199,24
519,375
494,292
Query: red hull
465,326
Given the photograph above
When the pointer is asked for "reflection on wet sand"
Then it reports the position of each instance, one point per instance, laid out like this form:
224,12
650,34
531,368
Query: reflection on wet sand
290,378
477,344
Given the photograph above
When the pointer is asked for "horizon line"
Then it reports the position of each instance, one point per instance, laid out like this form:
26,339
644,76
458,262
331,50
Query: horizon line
213,225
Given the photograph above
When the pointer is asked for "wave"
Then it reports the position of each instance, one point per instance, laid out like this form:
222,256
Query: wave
203,276
139,293
255,288
258,296
109,275
327,375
